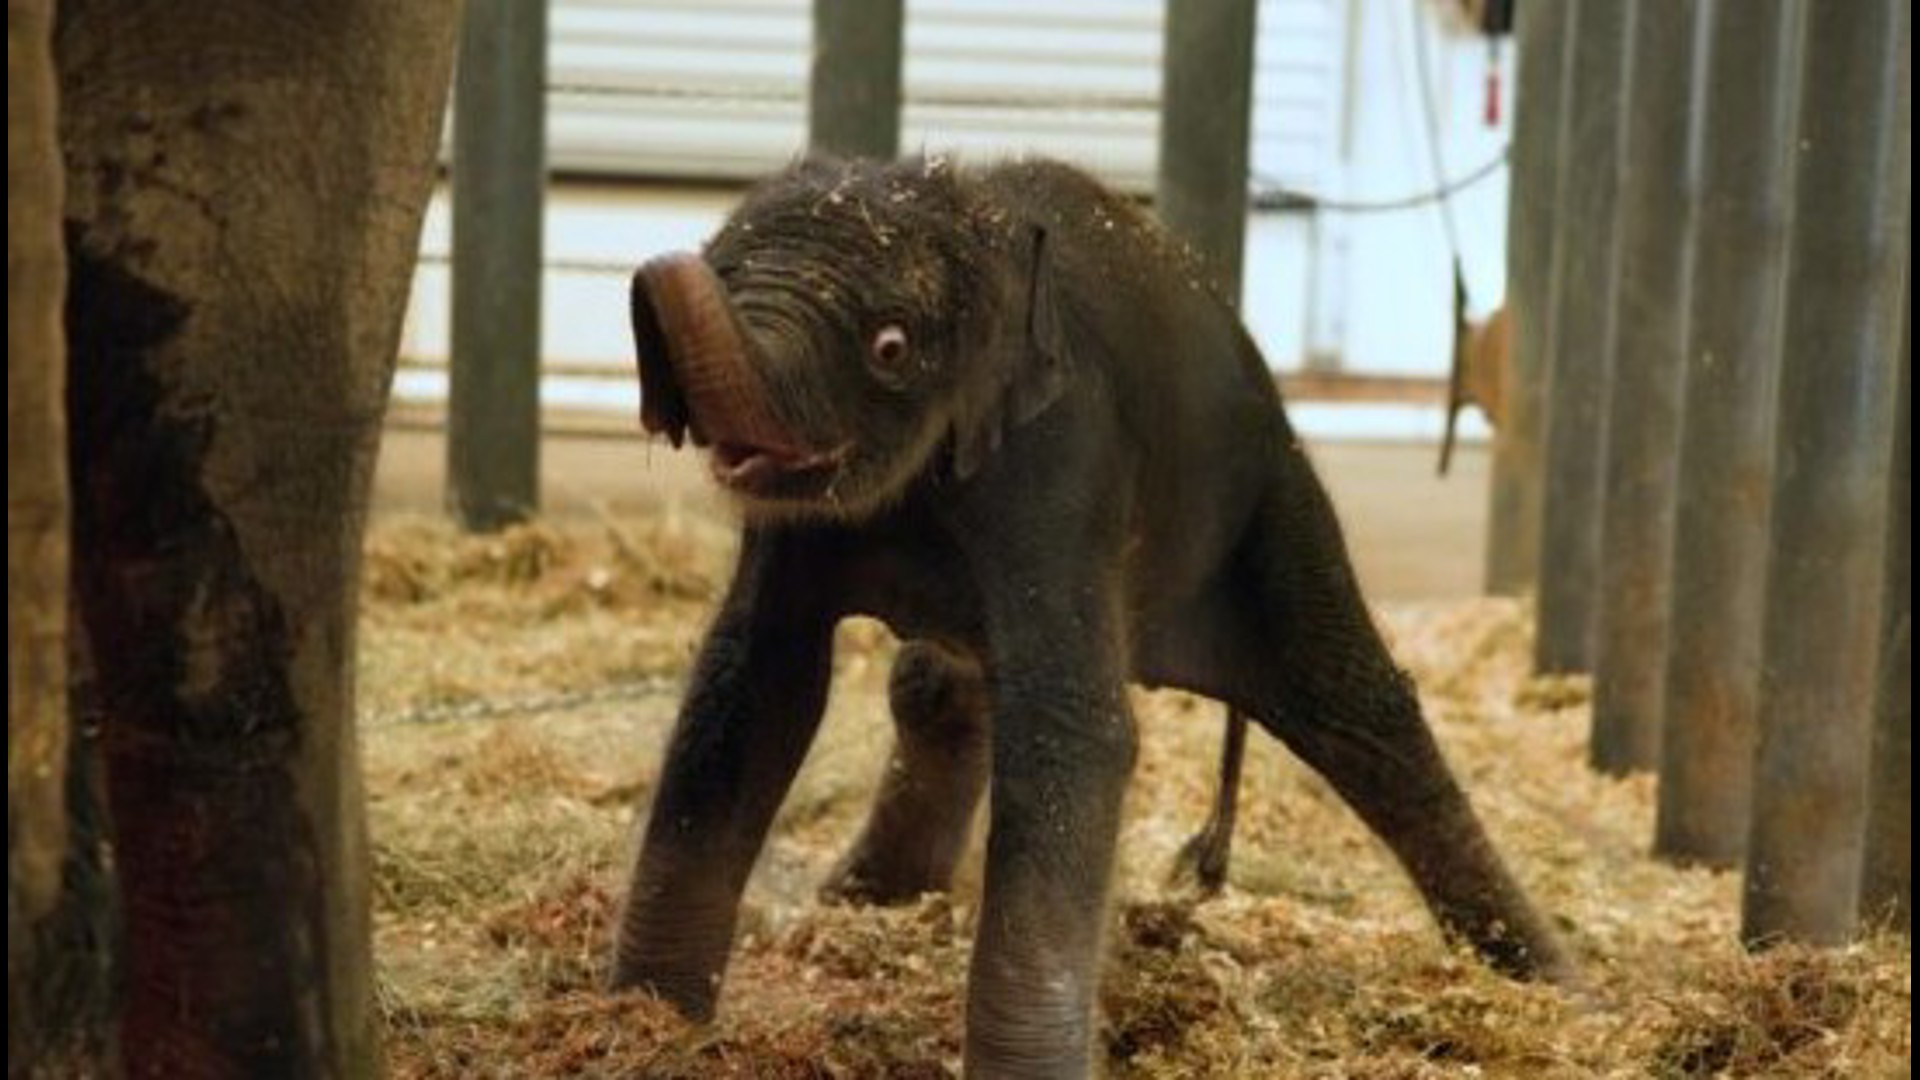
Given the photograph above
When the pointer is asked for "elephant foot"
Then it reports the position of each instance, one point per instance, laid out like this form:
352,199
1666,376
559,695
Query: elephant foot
866,877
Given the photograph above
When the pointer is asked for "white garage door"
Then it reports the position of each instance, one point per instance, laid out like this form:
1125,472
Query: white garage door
717,89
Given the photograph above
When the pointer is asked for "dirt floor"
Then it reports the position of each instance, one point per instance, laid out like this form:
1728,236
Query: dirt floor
517,693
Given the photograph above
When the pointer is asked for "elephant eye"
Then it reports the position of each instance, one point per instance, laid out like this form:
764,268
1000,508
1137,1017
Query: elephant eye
889,350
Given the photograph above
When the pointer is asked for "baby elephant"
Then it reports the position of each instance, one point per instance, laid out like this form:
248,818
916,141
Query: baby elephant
999,410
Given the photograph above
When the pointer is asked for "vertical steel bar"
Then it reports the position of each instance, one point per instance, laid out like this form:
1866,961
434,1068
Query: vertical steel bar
1657,177
1206,124
1585,257
1819,642
1206,117
1726,450
499,180
1543,36
1886,883
853,102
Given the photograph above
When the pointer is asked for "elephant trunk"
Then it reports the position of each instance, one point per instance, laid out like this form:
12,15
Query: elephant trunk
696,376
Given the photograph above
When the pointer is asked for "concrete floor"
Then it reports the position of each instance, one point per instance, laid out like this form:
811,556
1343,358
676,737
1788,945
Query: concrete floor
1415,536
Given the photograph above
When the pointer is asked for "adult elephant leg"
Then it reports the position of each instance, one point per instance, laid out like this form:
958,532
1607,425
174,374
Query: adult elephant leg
921,819
1337,699
37,722
245,190
758,692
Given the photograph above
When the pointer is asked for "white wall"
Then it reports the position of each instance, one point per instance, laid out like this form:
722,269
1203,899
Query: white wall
1387,276
1380,283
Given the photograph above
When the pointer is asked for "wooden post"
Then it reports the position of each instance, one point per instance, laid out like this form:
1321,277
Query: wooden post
1206,116
1544,36
1656,181
37,537
853,101
1886,883
499,184
1586,271
1820,637
1726,432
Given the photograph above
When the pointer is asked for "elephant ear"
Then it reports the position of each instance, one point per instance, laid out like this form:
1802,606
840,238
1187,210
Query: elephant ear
1026,359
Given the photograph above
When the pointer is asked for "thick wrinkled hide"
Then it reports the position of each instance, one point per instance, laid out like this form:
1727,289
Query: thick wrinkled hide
1002,412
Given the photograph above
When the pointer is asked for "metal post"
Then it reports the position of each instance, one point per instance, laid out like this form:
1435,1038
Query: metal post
853,104
1206,123
499,180
1726,456
1544,38
1886,883
1585,257
1852,191
1206,114
1657,175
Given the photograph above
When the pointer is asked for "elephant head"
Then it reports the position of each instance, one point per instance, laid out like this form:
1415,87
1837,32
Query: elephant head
851,325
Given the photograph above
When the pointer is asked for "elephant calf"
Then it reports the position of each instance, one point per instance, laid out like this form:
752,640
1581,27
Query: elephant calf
999,410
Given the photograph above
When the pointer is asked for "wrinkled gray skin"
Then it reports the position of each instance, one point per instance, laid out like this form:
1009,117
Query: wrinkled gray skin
999,411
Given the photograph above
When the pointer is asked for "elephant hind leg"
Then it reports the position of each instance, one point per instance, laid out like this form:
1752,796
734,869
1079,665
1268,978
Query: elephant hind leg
923,814
1329,689
1372,746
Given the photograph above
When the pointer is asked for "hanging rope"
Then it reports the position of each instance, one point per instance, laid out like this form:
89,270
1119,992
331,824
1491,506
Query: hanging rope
1430,110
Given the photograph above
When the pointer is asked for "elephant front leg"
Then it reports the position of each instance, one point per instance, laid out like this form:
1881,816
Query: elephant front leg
755,703
1063,748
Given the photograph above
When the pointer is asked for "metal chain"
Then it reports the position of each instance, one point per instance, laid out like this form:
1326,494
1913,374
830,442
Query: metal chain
545,702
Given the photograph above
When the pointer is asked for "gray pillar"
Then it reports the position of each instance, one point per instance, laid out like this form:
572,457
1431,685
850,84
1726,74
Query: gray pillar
1206,110
1206,124
1726,449
1656,190
499,184
1886,883
1584,276
1543,35
1852,188
853,102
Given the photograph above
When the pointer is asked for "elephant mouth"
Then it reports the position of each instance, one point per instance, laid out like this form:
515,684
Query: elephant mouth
697,383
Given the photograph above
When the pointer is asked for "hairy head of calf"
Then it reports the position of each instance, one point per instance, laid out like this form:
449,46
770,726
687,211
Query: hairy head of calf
852,325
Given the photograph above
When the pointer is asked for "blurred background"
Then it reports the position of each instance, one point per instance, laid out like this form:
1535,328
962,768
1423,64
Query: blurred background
1363,113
